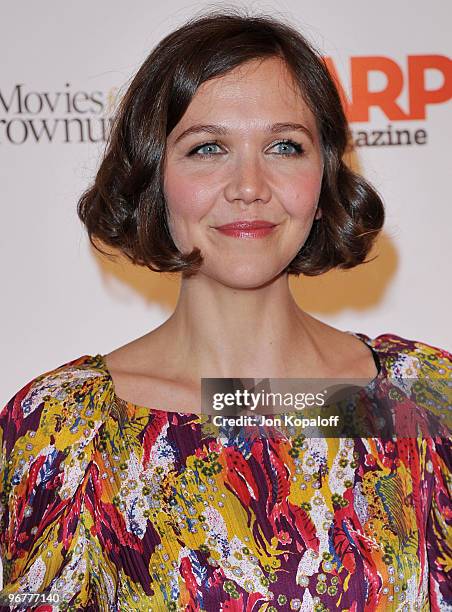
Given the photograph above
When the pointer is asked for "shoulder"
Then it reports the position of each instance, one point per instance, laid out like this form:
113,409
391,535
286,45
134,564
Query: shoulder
57,404
423,372
51,422
411,358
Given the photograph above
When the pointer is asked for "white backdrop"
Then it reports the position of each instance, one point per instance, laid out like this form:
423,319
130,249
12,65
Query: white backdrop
60,300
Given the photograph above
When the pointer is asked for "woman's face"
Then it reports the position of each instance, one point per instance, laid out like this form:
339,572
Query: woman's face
227,160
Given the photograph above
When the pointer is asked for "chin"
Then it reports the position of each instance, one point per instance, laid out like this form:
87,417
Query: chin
244,276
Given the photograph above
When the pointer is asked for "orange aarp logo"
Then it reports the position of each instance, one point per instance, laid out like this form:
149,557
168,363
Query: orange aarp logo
412,80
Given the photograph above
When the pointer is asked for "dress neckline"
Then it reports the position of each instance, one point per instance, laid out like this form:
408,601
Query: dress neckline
198,415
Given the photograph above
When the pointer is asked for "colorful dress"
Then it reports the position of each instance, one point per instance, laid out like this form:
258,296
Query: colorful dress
110,506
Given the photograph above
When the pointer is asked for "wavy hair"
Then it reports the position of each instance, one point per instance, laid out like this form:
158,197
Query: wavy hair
125,206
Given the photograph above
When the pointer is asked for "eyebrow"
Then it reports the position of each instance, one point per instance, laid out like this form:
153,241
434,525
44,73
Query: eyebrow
219,129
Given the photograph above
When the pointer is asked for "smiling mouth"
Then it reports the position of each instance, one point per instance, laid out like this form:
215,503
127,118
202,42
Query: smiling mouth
240,231
247,225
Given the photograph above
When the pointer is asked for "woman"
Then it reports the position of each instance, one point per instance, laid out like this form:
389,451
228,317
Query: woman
225,163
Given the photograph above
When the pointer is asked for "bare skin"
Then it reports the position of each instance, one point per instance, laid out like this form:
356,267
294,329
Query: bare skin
237,316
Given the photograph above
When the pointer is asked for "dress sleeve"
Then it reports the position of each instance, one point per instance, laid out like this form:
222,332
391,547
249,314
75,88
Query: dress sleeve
437,368
439,528
10,427
3,477
3,480
48,434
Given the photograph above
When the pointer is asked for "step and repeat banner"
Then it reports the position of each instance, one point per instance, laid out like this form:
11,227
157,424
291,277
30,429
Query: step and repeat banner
64,70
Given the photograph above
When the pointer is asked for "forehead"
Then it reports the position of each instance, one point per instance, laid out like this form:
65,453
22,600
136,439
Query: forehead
260,88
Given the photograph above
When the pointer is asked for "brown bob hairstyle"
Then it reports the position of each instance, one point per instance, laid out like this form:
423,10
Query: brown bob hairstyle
125,207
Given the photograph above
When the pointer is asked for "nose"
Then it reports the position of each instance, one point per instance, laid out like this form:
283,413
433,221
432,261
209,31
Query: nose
248,182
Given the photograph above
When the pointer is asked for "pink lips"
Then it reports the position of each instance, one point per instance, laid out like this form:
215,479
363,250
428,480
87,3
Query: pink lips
247,225
247,229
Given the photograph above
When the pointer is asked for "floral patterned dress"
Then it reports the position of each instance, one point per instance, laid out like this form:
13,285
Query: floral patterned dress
110,506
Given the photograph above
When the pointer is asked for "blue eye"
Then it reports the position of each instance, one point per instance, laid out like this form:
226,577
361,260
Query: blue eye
297,149
196,150
290,143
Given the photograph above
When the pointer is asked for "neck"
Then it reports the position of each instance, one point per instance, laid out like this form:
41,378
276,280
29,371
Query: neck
219,331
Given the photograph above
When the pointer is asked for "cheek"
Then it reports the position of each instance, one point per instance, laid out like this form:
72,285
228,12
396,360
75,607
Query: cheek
187,202
300,196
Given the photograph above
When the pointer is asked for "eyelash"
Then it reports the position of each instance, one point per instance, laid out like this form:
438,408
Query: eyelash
298,149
